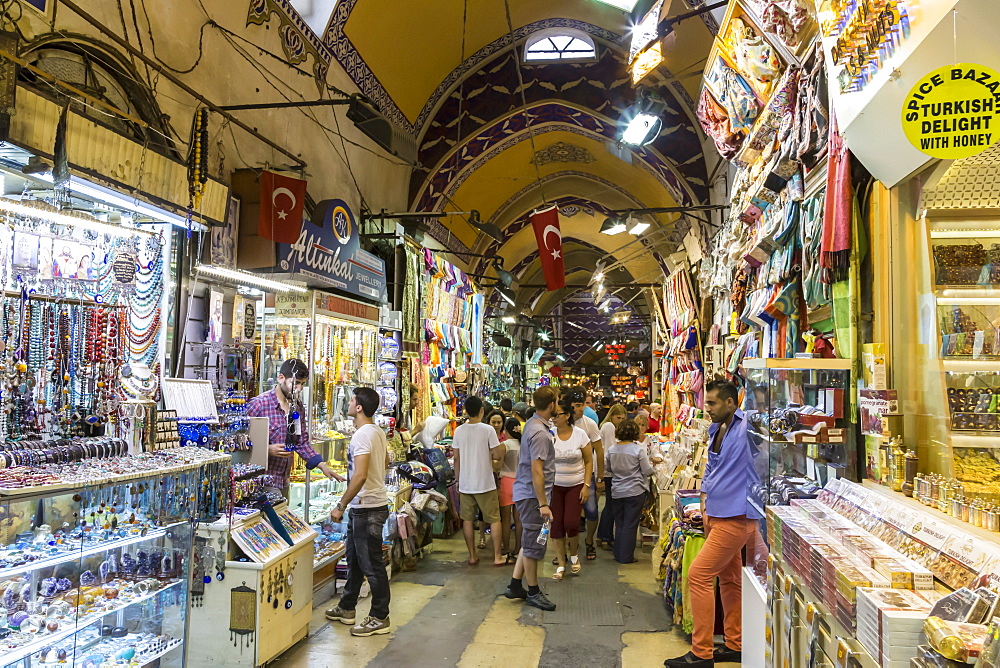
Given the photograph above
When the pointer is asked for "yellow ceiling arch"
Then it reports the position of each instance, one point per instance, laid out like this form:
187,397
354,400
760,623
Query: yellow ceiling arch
412,47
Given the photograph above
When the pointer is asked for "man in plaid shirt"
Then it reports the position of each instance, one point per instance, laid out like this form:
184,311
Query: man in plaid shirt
287,425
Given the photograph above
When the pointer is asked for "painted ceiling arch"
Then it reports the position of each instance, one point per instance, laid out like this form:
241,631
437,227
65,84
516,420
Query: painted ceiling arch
601,89
509,169
490,147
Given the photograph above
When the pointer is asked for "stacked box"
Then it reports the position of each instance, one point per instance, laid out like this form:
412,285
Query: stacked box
904,573
890,623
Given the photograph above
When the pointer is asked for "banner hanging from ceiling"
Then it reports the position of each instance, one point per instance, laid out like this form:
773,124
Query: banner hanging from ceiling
549,237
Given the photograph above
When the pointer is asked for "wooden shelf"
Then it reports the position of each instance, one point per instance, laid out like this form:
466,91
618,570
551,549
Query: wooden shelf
816,363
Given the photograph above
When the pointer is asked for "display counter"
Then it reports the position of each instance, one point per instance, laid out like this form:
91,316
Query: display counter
263,603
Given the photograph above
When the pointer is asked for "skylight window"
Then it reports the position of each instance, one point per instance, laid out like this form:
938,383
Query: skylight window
548,46
624,5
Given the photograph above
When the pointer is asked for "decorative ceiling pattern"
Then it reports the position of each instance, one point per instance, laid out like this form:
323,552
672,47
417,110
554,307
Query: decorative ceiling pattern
600,89
562,152
552,117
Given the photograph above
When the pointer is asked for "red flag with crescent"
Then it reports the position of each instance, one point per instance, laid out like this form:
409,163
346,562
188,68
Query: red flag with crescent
545,222
282,201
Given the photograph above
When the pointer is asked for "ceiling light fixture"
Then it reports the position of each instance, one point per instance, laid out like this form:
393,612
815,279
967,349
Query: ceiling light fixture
508,319
543,335
505,276
507,294
641,122
638,226
246,278
63,219
613,225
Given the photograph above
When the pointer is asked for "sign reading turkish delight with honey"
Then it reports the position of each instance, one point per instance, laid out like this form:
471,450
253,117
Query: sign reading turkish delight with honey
952,112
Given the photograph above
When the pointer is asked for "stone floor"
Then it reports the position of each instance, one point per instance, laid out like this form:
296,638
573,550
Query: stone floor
447,613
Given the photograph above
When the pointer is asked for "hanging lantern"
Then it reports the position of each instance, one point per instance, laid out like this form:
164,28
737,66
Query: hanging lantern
242,615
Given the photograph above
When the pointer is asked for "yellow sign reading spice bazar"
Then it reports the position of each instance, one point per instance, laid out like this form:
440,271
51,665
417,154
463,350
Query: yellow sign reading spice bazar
953,112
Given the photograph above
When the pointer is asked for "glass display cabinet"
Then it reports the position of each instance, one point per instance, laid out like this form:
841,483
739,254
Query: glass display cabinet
97,576
338,338
798,414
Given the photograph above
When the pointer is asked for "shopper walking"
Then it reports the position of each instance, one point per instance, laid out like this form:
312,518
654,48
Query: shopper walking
605,528
477,448
628,464
495,419
288,428
536,473
574,466
730,524
367,458
596,481
508,472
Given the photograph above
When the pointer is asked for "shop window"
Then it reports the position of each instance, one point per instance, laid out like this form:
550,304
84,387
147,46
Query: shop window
562,44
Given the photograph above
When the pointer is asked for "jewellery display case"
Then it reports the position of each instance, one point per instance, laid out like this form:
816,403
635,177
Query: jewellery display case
97,575
797,411
338,338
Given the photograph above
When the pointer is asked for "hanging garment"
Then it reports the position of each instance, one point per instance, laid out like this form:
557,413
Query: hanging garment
715,122
835,249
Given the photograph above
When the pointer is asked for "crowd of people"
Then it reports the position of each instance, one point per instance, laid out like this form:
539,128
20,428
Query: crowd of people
534,473
529,471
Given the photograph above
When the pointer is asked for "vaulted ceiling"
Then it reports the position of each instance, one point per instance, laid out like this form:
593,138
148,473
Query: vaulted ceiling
503,136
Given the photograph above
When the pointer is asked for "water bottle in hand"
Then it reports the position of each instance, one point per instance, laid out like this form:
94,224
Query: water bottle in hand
543,535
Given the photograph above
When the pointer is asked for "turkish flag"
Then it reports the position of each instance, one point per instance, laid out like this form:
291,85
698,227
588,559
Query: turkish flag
546,225
282,201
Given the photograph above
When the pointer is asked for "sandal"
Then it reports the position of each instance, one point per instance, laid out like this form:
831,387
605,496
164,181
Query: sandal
558,575
482,543
574,565
591,552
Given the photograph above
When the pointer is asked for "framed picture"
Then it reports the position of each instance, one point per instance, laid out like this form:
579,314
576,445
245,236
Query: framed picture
26,251
222,240
216,298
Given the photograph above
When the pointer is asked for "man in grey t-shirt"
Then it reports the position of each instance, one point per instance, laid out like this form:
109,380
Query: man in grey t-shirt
536,476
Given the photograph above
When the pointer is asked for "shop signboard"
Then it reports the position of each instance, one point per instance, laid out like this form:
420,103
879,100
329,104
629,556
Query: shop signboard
328,252
952,112
862,35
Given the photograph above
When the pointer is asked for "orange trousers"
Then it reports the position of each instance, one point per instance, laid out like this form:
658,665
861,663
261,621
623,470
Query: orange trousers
720,557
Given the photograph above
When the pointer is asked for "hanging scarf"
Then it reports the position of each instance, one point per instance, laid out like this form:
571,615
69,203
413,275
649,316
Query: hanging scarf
835,250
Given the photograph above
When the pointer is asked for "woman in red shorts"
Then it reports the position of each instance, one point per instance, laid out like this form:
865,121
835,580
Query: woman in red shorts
574,464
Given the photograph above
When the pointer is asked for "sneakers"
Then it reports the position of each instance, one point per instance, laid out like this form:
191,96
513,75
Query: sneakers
725,655
371,626
515,592
338,614
689,660
540,601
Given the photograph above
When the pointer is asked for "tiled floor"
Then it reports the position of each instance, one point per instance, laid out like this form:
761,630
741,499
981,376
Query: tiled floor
449,614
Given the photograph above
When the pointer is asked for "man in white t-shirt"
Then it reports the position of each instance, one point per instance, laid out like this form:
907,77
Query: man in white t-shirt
478,454
578,398
367,458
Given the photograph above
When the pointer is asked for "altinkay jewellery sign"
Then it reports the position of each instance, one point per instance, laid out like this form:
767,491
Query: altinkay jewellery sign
328,251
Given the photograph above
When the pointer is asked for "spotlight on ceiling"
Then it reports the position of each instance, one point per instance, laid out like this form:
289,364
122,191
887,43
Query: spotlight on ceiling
502,341
507,294
642,121
508,319
606,305
489,229
637,225
506,278
613,225
543,335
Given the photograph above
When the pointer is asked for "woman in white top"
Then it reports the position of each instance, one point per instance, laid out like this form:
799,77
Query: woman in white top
605,529
574,465
508,471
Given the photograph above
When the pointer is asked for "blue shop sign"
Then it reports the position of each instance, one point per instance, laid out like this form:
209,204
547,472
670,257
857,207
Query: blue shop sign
328,252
